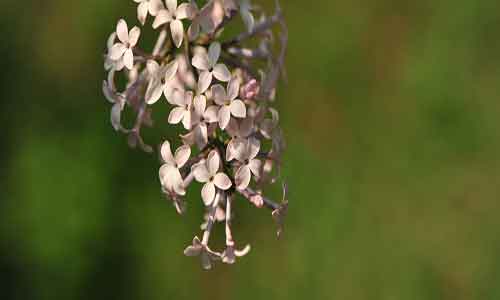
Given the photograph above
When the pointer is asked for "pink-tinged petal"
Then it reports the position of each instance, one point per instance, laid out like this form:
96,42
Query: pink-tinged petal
155,6
204,81
119,65
188,138
233,88
213,162
171,5
200,172
210,114
201,135
153,92
222,181
122,31
187,120
171,70
135,33
200,61
176,115
116,112
117,51
242,177
177,182
177,30
208,193
238,109
166,153
233,128
200,103
152,67
224,116
213,53
162,17
219,94
188,98
176,98
164,175
193,31
211,15
242,252
230,151
142,12
192,251
182,155
253,148
221,72
185,10
255,166
128,59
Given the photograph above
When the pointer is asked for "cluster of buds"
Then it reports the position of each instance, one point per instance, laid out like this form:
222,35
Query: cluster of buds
220,91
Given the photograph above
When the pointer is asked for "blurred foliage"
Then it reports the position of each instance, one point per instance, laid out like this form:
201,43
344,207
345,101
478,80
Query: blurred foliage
391,114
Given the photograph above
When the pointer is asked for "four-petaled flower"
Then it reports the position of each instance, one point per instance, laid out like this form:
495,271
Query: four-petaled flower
201,118
207,172
228,103
249,164
208,66
160,77
239,132
145,6
170,175
173,14
123,51
183,112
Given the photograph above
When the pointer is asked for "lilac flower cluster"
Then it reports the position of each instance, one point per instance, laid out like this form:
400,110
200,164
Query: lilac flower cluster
220,91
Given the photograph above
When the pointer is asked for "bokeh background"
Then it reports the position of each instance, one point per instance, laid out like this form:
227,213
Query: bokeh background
391,115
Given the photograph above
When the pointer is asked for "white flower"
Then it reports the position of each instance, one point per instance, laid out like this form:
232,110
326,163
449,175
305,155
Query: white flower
228,103
173,14
111,63
207,172
208,66
183,100
239,132
160,76
170,176
250,165
145,6
123,51
201,117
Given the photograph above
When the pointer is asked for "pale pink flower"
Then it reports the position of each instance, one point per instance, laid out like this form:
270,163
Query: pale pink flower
183,112
239,132
201,117
208,172
208,67
148,6
228,103
160,77
173,14
111,63
170,175
124,49
249,164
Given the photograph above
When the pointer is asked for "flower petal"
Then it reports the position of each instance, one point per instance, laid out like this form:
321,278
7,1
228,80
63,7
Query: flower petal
204,81
166,153
210,114
177,182
233,88
122,31
171,70
221,72
135,33
246,127
187,120
222,181
128,59
253,148
176,115
224,116
238,109
193,31
162,17
116,112
152,67
200,103
171,5
185,10
153,92
219,94
242,177
182,155
177,30
208,193
142,12
201,135
192,251
200,172
213,53
213,162
200,61
116,52
255,166
155,6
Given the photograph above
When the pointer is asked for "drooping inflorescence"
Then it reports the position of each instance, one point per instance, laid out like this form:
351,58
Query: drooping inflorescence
220,91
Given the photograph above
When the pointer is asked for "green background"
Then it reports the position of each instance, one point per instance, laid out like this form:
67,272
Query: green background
391,116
